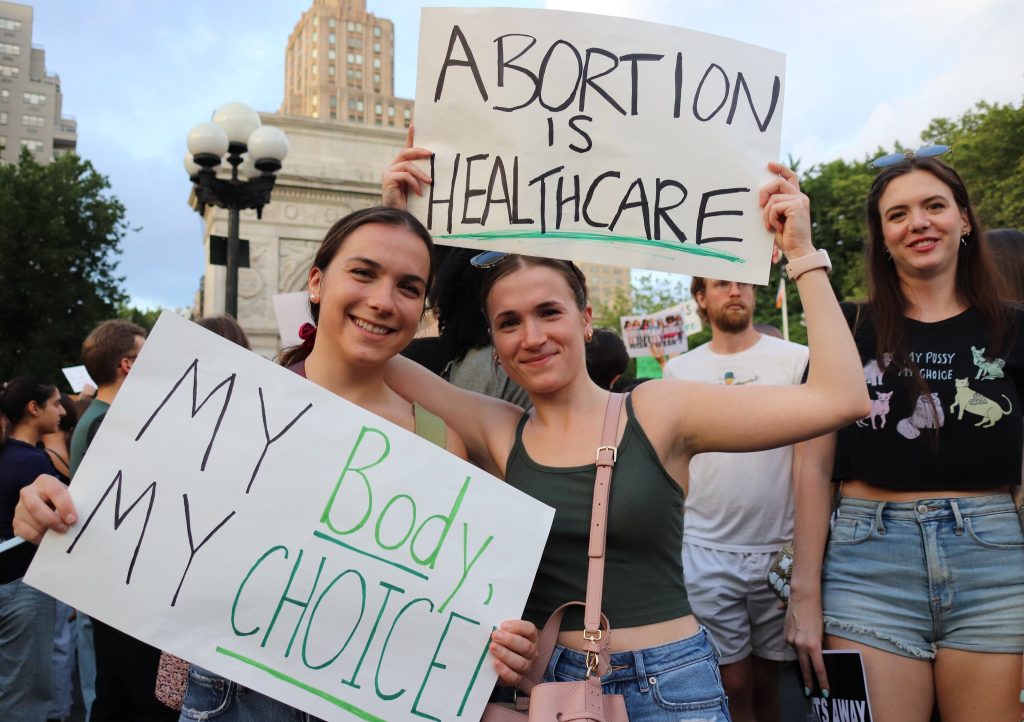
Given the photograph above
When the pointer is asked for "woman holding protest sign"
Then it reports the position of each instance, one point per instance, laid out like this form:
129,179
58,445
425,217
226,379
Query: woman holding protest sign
662,663
367,288
923,570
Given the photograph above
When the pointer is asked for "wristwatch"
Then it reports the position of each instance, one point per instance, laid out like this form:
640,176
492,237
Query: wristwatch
799,266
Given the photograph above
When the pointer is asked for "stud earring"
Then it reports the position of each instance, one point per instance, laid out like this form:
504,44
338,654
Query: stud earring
588,337
494,357
314,299
963,240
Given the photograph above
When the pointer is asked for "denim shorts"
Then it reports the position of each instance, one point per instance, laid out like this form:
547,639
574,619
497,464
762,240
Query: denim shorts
676,682
912,577
212,697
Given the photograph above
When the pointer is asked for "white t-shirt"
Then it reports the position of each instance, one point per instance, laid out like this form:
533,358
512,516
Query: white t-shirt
741,502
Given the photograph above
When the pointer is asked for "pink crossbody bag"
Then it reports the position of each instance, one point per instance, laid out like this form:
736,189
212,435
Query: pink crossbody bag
582,700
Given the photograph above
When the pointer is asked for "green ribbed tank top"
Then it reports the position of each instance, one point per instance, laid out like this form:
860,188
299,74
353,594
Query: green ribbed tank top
643,564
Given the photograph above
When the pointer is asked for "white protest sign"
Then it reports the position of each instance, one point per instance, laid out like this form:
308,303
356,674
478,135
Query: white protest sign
667,327
243,518
77,378
291,311
598,139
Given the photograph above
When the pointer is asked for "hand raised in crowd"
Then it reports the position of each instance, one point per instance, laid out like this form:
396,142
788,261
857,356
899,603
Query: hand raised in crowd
787,212
43,504
658,353
403,175
514,648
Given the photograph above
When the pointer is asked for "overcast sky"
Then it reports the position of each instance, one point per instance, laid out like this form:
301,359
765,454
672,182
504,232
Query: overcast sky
137,74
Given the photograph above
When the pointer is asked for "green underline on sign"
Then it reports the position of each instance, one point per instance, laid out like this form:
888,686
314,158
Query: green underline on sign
347,706
693,250
339,542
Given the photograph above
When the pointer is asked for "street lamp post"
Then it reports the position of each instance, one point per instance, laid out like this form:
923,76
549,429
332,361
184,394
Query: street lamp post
254,152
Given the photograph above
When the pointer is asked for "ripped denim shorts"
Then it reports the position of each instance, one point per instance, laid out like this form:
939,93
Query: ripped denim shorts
912,577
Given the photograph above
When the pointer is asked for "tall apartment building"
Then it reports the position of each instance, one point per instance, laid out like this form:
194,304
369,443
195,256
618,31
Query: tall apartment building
340,65
30,98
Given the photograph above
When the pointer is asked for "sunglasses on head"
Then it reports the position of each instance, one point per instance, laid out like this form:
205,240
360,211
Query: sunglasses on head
489,259
928,151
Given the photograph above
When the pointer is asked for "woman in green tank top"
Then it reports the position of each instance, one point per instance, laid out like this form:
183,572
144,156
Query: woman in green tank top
540,320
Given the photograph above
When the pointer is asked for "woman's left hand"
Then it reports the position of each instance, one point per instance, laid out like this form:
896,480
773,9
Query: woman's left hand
787,212
514,648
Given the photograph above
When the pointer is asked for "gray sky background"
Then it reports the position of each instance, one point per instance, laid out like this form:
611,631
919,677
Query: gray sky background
137,74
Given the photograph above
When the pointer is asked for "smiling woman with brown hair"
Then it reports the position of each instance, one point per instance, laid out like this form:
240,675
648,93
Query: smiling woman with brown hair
924,567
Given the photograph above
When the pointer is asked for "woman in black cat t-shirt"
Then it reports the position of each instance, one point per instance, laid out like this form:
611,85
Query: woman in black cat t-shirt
924,567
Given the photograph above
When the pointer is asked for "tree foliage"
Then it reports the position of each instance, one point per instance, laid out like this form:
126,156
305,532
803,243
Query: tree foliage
59,237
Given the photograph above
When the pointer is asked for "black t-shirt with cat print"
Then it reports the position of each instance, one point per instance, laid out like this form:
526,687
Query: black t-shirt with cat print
967,433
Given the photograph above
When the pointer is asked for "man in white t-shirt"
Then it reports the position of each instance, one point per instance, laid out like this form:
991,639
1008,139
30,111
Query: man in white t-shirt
739,507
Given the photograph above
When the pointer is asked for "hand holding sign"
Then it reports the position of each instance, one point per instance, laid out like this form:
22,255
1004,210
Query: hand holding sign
403,175
787,212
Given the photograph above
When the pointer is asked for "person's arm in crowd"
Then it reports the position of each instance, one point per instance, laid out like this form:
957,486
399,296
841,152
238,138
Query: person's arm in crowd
812,494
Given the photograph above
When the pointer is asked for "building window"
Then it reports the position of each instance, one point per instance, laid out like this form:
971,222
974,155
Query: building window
376,78
10,49
359,27
334,115
330,70
351,58
334,101
391,111
351,26
3,141
9,71
331,23
316,20
34,98
359,59
33,121
332,38
5,96
3,118
359,106
376,31
313,54
8,24
377,109
351,103
331,55
33,145
376,47
408,114
376,63
314,36
316,100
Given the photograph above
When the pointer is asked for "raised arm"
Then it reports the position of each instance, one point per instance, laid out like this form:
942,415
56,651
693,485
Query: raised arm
486,425
692,418
812,493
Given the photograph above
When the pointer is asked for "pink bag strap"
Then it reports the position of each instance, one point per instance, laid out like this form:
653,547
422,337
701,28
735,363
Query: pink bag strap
596,626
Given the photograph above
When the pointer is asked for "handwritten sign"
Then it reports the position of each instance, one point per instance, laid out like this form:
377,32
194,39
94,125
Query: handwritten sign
597,139
668,327
241,517
848,699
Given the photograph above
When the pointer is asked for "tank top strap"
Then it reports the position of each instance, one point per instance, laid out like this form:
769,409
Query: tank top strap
430,426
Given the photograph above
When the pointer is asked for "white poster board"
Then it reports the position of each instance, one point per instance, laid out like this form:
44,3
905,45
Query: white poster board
291,311
77,378
668,327
598,139
238,516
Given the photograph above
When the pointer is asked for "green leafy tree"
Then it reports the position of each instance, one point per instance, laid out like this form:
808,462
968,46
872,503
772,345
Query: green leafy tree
140,317
59,235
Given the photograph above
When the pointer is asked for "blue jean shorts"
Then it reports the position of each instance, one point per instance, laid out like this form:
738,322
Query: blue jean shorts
212,697
912,577
677,682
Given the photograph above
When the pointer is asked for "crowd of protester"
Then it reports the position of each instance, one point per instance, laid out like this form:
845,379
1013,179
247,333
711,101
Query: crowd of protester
886,451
